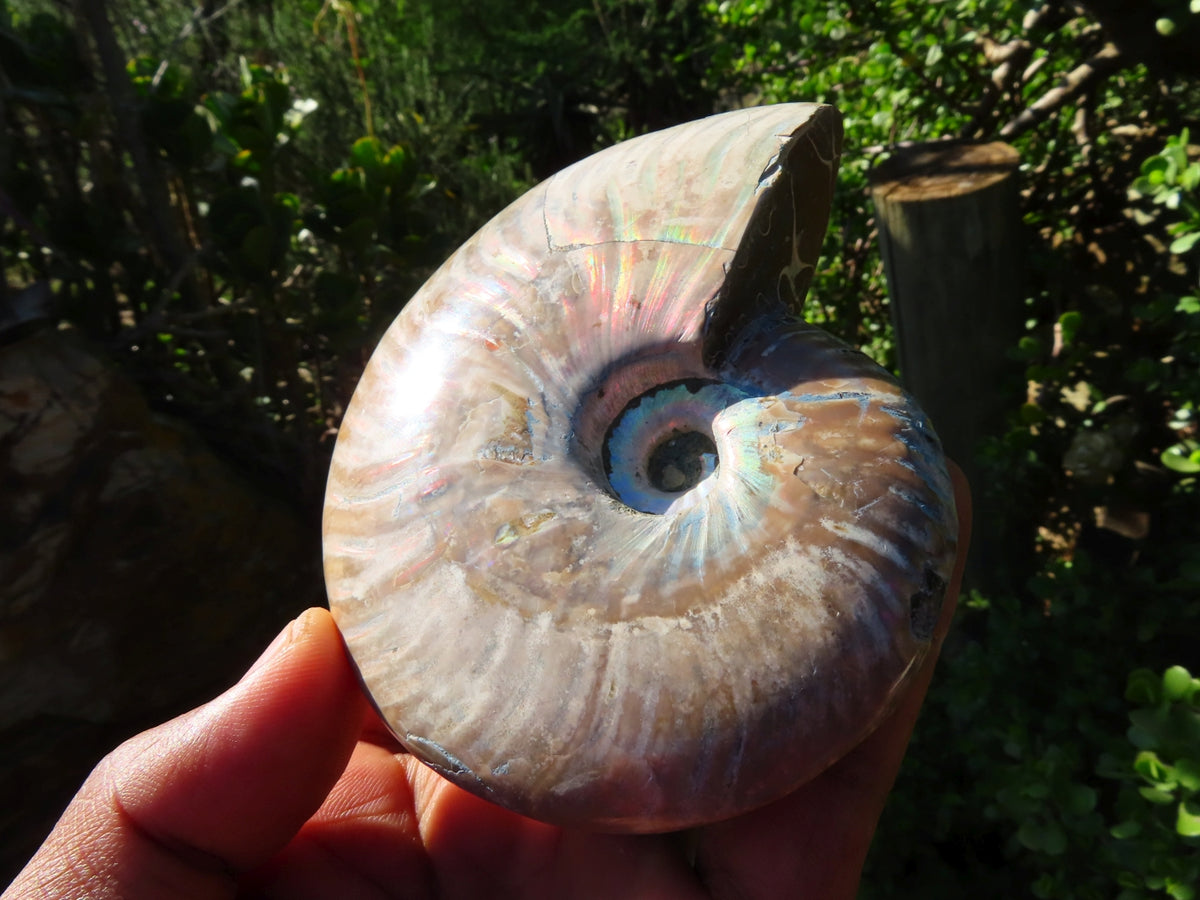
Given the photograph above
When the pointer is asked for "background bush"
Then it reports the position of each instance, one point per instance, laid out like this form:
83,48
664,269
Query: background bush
234,199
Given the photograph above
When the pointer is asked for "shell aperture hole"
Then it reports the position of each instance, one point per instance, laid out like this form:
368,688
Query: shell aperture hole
681,461
661,445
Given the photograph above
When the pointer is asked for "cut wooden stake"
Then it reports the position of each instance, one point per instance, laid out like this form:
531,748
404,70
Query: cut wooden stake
953,250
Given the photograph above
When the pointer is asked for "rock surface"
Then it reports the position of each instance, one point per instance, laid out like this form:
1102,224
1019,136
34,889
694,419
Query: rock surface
139,574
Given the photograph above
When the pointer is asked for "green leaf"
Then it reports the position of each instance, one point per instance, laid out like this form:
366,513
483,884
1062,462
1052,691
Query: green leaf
1143,687
1185,242
1030,836
1054,841
1028,348
245,161
1189,179
367,153
1155,796
1037,790
1183,457
346,178
1069,323
1176,682
1032,414
1080,800
1153,769
1187,822
288,204
1131,881
1125,830
400,168
1155,170
1048,839
1187,773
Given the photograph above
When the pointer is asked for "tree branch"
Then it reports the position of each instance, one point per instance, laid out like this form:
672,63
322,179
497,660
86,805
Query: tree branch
1108,59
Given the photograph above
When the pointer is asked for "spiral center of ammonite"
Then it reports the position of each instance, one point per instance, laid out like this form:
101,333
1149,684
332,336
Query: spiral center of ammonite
681,461
661,446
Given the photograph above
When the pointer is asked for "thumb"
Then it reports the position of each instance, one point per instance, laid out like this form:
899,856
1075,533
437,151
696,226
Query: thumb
182,809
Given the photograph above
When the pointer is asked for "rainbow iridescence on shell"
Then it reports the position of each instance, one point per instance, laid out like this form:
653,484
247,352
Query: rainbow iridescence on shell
615,539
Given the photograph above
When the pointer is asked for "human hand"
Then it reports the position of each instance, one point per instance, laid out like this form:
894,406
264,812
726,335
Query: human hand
288,785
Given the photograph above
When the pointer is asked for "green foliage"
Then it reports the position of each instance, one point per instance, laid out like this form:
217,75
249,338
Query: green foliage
898,72
1156,840
291,172
186,234
1139,841
1171,180
1037,789
492,95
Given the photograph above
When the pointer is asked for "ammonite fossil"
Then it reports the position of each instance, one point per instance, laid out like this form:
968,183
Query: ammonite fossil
614,538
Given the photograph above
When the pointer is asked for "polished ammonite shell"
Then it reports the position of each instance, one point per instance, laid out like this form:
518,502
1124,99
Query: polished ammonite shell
614,538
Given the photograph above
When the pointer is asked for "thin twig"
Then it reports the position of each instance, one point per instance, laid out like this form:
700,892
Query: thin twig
189,28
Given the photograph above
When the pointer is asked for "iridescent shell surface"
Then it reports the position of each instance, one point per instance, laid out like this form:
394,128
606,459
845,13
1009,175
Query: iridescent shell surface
614,538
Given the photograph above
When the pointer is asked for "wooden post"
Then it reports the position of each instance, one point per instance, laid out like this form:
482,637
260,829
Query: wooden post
953,252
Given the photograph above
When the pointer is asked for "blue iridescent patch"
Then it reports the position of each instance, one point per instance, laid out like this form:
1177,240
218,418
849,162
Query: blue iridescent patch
662,446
